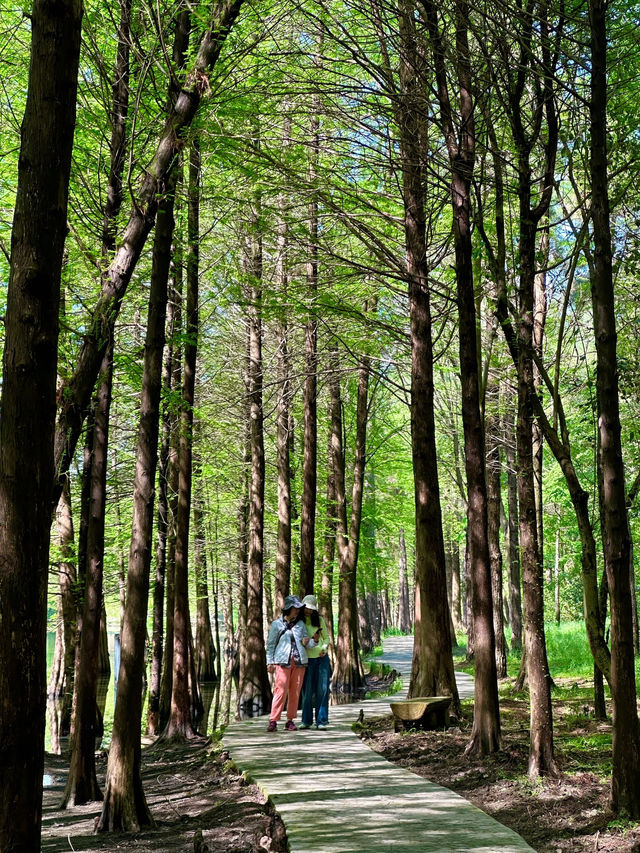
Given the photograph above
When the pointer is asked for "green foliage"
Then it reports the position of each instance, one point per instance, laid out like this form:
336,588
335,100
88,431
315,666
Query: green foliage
568,650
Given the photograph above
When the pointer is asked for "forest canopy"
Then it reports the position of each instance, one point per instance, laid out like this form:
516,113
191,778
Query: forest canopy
330,297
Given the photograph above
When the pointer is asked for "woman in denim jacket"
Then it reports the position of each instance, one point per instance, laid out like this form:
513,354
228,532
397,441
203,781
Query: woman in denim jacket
287,657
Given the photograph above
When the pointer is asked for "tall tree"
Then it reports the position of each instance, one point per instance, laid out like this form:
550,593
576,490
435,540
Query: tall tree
348,675
174,327
460,142
625,776
254,691
162,527
283,551
125,806
310,449
515,595
61,677
28,411
404,610
82,783
180,723
325,596
205,652
432,666
541,754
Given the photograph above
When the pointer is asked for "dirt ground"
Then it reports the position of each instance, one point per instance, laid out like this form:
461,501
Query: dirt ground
194,787
563,815
189,787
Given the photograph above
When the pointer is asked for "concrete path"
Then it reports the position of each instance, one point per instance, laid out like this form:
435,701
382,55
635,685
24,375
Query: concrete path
335,795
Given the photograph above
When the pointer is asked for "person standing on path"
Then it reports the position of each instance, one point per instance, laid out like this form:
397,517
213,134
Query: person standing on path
315,690
287,645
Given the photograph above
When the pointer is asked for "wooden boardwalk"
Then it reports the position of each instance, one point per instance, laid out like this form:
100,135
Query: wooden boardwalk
335,795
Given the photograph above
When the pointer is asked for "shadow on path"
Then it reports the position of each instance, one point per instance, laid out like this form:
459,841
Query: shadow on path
336,795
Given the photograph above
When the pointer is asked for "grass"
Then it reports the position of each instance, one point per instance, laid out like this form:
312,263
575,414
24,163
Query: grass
567,651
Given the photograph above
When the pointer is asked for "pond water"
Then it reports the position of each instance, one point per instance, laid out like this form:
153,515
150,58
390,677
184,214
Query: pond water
216,699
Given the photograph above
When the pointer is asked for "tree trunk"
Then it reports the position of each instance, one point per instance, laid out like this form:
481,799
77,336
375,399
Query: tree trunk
348,676
539,320
456,595
28,412
205,651
373,615
634,600
541,756
325,597
283,549
493,517
365,635
61,678
310,449
254,691
541,72
404,612
485,735
515,596
625,776
125,807
180,724
432,665
175,325
556,574
162,524
82,784
104,662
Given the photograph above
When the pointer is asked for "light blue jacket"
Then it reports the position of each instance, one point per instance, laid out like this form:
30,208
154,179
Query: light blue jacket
280,640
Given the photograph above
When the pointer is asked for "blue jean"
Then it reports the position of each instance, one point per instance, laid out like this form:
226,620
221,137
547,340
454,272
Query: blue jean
315,691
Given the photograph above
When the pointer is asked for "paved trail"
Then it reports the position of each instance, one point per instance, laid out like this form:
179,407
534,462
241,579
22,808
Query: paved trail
335,795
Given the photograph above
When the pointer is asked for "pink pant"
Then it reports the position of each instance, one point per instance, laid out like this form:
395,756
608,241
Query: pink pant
288,684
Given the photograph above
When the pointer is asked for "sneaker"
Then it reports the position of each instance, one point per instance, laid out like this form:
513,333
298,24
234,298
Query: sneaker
273,726
290,726
321,726
304,726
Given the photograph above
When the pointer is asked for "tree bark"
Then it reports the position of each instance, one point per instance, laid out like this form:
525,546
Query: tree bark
556,578
82,783
162,524
325,597
180,724
239,643
625,776
432,665
348,675
404,611
125,807
485,735
493,518
61,678
28,412
175,325
539,320
541,756
310,403
515,594
254,691
205,650
456,594
283,549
